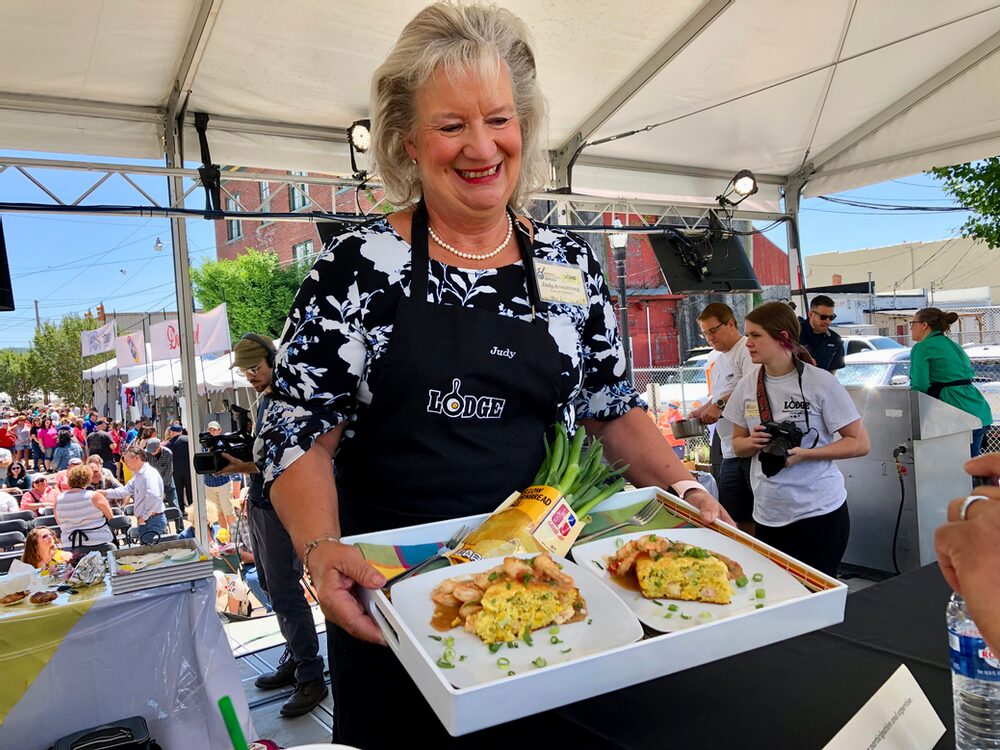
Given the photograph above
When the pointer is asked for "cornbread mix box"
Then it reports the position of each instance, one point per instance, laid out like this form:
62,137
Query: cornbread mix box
607,637
536,520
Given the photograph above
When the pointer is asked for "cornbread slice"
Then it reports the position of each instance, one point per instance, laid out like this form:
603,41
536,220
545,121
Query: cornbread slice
677,576
511,607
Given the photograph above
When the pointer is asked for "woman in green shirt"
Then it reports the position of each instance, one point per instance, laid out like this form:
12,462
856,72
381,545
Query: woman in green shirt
940,368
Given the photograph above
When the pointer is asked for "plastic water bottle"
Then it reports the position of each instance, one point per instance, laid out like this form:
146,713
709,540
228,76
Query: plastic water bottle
975,682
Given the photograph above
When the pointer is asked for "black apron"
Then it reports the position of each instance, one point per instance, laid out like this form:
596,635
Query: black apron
461,400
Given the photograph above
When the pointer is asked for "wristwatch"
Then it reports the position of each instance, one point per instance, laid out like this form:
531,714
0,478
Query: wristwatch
721,403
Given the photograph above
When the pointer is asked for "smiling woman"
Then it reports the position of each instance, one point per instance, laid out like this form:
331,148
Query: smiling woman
404,319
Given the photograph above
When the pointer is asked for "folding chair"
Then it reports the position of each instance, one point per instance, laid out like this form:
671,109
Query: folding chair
18,515
16,524
11,539
174,515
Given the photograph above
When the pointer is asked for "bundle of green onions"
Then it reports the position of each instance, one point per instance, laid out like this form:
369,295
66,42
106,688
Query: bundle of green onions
582,478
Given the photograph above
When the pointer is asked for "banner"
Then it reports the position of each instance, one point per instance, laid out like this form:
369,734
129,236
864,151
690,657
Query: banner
211,334
165,340
98,341
131,349
211,331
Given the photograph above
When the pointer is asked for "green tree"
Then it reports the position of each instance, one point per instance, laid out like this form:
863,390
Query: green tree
15,377
56,360
257,289
976,186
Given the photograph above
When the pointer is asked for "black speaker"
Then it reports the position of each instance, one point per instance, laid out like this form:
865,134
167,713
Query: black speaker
6,290
712,261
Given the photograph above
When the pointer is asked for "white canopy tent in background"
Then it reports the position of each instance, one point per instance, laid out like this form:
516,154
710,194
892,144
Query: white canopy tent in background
820,96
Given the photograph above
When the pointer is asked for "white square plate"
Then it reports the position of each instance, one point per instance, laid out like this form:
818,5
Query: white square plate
611,625
778,584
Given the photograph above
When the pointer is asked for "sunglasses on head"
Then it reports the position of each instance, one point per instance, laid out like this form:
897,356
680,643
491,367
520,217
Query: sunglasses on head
825,317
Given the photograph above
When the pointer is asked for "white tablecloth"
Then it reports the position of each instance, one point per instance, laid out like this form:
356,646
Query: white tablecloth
161,654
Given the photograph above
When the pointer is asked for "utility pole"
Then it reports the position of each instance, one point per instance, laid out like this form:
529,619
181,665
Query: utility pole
871,299
38,319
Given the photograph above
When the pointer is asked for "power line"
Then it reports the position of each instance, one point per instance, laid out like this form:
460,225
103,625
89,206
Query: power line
889,206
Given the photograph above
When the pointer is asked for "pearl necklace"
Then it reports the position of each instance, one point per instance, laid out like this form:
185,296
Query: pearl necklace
473,256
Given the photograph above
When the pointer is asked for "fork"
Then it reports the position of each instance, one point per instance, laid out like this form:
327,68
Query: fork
641,518
455,540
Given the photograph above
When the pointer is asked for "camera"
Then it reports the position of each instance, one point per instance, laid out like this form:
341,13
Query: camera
238,443
784,436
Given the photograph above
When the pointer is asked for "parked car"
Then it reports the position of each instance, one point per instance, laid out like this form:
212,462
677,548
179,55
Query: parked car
890,366
859,344
687,385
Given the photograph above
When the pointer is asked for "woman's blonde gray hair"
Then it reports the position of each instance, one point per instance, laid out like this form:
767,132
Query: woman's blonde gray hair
454,37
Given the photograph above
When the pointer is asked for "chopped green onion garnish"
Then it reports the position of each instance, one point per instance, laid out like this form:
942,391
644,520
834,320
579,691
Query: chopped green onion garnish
494,647
434,637
669,615
673,607
652,537
492,576
511,673
685,617
619,543
760,594
449,642
527,636
742,581
539,662
444,664
503,662
758,606
758,577
511,644
449,654
657,602
554,640
705,615
565,650
462,657
554,630
589,621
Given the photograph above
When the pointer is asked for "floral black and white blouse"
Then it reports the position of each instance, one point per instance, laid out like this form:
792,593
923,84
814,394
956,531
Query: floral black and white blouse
342,318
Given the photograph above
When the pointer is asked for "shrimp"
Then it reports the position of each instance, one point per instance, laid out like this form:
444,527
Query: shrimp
623,560
467,594
546,567
442,594
469,609
516,568
487,578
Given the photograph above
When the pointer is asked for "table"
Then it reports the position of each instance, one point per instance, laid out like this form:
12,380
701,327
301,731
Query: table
160,653
795,694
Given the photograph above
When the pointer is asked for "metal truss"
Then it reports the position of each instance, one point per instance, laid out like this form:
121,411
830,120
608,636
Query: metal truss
583,212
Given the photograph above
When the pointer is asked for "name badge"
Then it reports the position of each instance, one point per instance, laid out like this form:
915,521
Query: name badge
560,282
751,410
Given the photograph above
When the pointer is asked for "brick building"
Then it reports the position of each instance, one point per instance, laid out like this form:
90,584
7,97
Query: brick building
287,239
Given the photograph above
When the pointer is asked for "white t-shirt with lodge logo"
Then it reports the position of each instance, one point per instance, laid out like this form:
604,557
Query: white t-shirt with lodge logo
810,488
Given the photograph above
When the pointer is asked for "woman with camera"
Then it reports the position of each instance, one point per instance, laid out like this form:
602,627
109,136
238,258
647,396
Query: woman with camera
787,416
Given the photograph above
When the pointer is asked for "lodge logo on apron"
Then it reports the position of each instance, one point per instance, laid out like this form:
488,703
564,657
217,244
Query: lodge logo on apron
454,404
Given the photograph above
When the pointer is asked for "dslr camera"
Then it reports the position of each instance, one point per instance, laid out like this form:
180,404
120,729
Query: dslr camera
784,436
238,443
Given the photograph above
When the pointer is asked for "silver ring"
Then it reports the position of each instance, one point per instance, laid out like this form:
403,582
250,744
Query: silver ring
963,512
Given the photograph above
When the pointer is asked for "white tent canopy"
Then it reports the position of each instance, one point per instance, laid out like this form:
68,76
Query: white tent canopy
843,92
213,375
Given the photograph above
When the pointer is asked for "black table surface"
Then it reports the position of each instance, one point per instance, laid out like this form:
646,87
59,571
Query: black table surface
794,694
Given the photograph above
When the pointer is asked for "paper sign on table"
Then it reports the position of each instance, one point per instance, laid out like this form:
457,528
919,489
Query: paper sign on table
898,716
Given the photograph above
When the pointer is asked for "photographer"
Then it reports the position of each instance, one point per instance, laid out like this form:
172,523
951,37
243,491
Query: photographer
278,567
786,415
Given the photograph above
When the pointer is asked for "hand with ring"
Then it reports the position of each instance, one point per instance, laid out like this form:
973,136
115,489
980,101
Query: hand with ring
968,549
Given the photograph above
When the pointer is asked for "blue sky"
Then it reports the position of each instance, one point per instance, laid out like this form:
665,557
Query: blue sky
71,263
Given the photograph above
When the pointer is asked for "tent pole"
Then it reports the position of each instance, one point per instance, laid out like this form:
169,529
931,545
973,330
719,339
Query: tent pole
793,191
191,418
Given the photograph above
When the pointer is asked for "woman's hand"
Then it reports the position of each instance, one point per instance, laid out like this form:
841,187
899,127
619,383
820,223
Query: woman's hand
759,437
709,506
797,456
336,569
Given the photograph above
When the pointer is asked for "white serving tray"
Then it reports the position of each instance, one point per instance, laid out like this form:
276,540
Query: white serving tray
464,710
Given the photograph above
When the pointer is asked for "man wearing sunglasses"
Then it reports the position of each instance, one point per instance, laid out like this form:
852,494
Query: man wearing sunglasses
824,345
